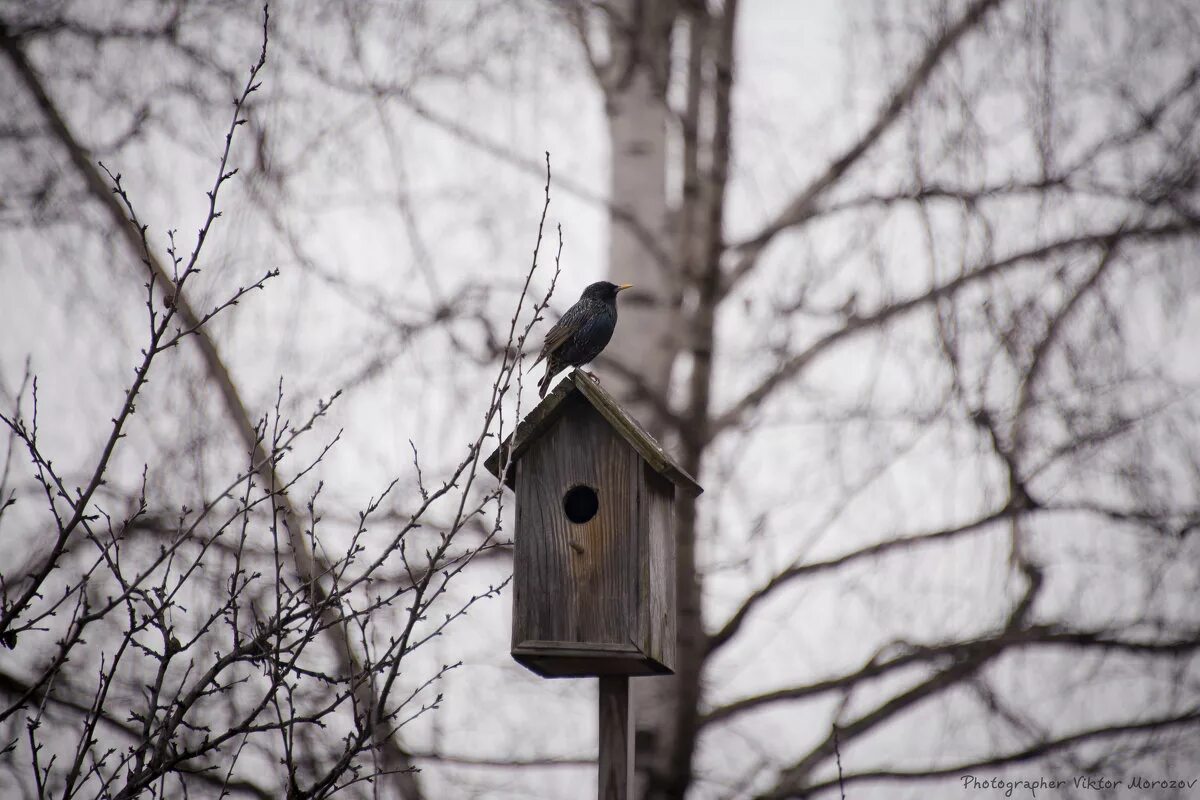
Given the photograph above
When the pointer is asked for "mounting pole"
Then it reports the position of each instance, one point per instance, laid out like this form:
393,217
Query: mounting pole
616,739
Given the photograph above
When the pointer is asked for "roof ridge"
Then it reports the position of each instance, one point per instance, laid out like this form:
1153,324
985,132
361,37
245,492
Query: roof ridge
545,413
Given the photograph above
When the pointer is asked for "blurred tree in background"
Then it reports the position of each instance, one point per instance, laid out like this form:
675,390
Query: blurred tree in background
917,302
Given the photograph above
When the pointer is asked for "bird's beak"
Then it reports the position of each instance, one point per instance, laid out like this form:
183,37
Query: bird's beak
624,286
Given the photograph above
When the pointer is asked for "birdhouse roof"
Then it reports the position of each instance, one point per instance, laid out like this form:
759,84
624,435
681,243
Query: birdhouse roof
547,412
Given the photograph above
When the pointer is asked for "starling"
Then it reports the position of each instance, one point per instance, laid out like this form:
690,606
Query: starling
582,332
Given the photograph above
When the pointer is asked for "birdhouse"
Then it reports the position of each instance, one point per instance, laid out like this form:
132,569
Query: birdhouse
594,560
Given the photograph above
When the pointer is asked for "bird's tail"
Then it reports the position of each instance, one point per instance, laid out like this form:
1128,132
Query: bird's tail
544,383
535,363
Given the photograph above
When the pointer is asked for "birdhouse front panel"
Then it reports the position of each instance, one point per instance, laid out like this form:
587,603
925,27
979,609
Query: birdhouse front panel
589,597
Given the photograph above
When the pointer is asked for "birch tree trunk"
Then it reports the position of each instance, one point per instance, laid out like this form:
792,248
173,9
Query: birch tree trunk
644,347
634,82
654,329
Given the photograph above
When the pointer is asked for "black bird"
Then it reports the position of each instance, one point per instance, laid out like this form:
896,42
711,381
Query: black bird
582,332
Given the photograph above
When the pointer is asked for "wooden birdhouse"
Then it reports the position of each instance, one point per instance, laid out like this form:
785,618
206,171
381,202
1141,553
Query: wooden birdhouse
594,561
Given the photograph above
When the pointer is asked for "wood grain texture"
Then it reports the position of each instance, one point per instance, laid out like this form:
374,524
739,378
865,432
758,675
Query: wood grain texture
658,505
633,432
580,574
616,740
586,598
528,430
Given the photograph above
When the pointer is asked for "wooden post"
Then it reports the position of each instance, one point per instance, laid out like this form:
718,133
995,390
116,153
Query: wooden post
594,561
616,739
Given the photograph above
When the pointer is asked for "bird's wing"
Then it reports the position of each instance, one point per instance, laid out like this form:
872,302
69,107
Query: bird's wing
593,335
562,330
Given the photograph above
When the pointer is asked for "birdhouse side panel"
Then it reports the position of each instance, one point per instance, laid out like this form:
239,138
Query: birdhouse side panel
658,502
578,581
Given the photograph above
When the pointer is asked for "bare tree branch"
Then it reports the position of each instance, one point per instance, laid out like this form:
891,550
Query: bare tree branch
1033,752
791,366
802,207
308,563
